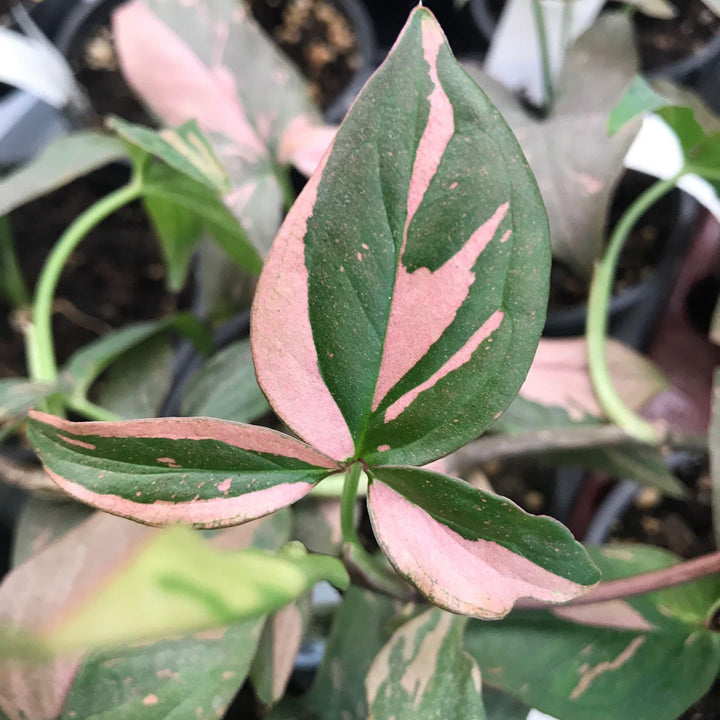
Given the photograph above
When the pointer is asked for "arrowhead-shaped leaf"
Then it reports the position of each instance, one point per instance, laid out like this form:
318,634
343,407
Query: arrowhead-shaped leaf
404,295
645,658
423,672
469,551
198,471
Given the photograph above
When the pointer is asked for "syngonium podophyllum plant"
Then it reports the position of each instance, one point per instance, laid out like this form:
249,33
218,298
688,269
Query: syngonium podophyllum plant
395,318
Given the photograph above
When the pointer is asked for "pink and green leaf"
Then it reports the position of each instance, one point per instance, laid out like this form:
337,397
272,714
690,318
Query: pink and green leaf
423,672
199,471
423,236
470,551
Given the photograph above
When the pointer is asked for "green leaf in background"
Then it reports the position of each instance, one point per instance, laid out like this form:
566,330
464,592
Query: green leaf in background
360,629
138,382
469,551
175,582
644,658
87,364
61,162
162,184
634,461
576,164
638,99
179,231
199,471
184,148
435,314
423,672
18,395
226,387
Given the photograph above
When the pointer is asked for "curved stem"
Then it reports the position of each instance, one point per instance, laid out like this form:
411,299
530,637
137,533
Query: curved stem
90,410
40,341
597,320
640,584
544,55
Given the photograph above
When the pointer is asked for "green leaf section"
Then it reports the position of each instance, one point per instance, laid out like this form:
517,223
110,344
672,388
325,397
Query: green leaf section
600,672
361,627
362,202
423,672
177,583
226,387
61,162
18,395
146,467
479,515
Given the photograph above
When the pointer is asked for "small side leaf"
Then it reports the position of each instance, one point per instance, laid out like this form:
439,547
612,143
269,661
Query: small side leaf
199,471
184,148
469,551
423,672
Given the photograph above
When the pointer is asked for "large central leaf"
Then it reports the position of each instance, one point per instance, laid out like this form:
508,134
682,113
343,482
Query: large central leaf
402,301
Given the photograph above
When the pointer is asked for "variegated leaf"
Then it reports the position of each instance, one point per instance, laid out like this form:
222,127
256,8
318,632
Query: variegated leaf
423,672
198,471
470,551
404,295
647,657
172,582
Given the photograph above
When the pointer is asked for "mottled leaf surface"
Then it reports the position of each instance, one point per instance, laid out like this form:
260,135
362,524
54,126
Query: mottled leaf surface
226,388
423,672
61,162
429,250
361,627
470,551
199,471
645,658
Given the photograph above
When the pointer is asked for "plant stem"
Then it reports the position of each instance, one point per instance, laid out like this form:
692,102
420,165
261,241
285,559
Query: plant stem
597,320
640,584
347,504
12,282
39,339
544,55
90,410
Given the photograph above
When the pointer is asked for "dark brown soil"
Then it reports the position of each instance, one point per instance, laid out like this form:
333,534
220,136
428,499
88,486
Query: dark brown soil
95,64
317,37
116,276
642,252
662,42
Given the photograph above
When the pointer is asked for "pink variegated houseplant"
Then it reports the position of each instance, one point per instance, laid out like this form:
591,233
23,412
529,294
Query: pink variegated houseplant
395,319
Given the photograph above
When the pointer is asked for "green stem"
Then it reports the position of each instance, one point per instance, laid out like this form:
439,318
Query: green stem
544,55
90,410
347,504
597,320
11,279
41,351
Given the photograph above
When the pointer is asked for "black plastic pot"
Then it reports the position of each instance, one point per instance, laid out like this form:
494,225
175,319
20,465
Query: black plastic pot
634,312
